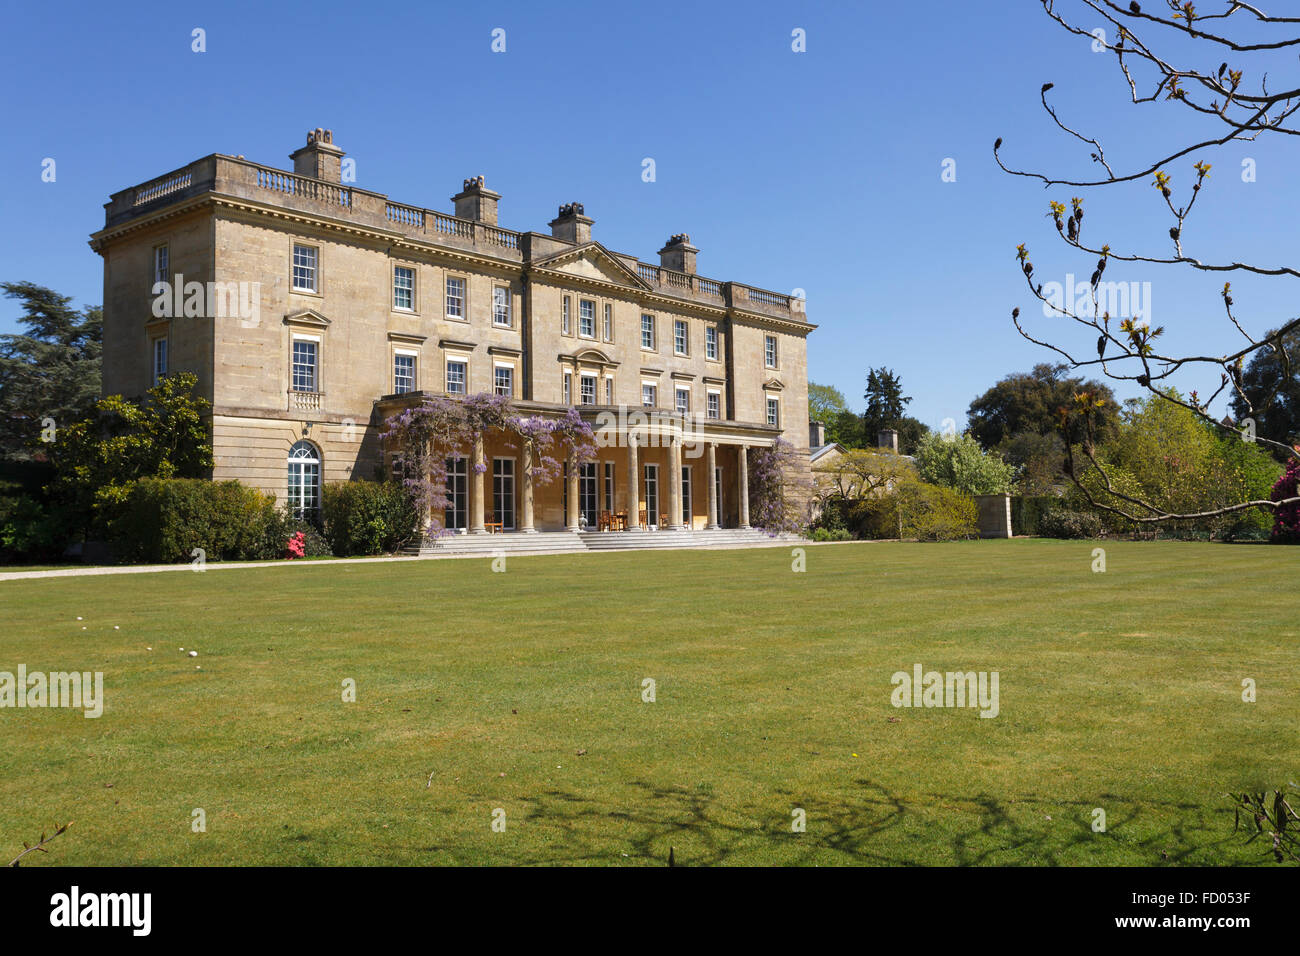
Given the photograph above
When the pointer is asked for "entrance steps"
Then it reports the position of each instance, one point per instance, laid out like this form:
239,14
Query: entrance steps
561,542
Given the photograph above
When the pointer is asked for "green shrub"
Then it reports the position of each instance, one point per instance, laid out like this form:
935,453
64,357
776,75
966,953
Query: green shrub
1061,521
29,529
1027,512
827,534
916,509
164,520
367,517
283,526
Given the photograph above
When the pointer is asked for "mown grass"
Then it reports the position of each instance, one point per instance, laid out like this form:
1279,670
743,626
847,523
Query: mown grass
478,690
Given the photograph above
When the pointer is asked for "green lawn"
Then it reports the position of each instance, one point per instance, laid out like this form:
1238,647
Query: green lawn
1119,691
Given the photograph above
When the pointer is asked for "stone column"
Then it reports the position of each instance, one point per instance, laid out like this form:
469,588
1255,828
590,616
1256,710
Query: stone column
675,484
711,460
571,518
526,486
633,485
476,473
742,473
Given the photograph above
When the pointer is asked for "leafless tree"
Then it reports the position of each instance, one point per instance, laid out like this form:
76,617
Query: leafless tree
1236,103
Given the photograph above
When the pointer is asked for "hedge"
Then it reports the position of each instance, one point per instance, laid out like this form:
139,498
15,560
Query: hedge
163,520
367,517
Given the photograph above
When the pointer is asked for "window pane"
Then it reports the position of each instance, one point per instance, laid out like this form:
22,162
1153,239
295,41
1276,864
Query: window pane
456,376
587,318
403,288
500,306
403,374
456,298
503,380
304,268
304,366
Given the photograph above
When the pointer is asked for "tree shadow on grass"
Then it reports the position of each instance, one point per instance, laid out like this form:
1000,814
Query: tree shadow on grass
877,828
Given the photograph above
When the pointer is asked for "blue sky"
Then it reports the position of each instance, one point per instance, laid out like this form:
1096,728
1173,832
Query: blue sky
818,170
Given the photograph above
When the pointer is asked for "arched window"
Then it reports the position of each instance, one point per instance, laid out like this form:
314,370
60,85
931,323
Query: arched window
304,479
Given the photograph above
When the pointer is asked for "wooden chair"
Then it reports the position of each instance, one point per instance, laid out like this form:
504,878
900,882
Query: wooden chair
641,520
663,521
604,521
493,527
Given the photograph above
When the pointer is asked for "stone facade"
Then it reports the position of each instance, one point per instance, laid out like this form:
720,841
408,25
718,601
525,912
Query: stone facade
259,259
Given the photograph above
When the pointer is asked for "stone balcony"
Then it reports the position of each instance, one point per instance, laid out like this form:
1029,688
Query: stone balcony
241,179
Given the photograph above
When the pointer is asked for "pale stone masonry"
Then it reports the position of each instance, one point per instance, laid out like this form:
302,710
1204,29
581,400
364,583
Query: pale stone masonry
354,306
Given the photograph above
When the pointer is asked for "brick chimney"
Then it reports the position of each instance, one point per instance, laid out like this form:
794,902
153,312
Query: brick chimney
888,438
678,254
571,225
477,202
320,158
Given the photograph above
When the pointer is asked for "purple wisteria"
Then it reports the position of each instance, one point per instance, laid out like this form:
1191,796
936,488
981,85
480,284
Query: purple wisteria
425,436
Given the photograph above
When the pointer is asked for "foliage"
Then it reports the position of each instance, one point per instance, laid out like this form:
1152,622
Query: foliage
828,534
164,435
1027,512
777,499
915,509
958,462
1271,383
30,529
1061,520
52,371
861,473
1031,402
1165,454
424,436
885,403
825,402
1286,524
162,521
367,517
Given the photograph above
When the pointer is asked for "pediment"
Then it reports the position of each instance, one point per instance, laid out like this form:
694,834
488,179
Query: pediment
774,384
307,317
594,262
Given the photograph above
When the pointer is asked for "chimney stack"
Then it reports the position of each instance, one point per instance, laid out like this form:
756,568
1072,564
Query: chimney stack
888,438
678,254
477,202
571,225
320,158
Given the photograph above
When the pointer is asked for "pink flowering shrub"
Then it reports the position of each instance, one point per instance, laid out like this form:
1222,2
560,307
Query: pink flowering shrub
296,547
1286,519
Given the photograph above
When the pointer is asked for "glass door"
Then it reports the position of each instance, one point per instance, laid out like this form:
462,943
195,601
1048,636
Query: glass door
587,503
686,495
457,514
503,492
652,495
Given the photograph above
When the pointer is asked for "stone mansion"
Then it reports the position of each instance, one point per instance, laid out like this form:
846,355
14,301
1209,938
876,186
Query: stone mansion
310,310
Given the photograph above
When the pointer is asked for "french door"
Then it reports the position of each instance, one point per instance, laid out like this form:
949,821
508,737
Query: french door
717,492
686,495
652,494
457,514
587,503
503,492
